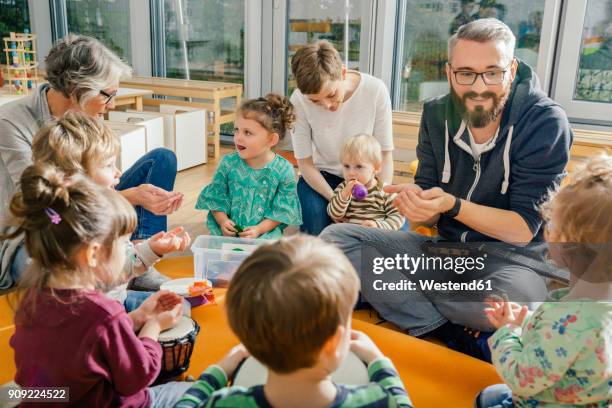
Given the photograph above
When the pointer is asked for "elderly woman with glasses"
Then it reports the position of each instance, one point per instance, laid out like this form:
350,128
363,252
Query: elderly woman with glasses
82,75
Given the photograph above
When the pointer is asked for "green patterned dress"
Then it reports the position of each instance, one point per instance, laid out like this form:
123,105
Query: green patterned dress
248,196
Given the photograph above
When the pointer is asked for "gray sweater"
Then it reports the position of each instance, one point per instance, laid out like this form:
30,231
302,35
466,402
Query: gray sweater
19,122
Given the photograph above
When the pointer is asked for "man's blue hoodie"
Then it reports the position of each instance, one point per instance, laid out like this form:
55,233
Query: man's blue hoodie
515,170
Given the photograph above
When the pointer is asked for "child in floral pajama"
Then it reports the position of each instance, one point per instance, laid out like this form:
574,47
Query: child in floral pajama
561,354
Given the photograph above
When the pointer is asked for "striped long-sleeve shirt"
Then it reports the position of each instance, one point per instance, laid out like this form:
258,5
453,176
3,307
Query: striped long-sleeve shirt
377,207
385,390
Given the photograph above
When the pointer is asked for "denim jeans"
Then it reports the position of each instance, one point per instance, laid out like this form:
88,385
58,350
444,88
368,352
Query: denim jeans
495,396
414,310
158,167
21,260
314,205
135,298
166,395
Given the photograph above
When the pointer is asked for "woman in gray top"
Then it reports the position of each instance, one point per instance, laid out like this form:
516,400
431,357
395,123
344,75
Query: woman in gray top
83,75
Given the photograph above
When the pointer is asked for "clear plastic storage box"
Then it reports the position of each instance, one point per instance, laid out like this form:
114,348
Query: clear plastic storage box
217,258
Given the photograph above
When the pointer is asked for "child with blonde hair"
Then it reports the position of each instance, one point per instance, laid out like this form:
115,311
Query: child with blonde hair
361,159
561,354
253,193
290,304
67,332
79,144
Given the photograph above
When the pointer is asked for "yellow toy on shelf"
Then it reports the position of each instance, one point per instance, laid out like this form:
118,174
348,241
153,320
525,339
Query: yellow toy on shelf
21,65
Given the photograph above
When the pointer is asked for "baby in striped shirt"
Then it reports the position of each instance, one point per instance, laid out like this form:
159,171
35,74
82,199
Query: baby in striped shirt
361,159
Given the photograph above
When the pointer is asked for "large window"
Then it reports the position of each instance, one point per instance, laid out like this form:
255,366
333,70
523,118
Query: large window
108,21
340,22
594,76
14,17
422,54
204,39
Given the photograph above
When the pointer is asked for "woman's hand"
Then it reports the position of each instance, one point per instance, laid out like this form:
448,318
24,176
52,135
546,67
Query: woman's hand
154,199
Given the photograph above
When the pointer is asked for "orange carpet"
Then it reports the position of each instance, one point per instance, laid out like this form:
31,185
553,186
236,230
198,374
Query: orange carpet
433,375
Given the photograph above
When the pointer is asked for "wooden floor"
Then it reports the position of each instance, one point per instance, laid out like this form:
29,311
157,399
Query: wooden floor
191,182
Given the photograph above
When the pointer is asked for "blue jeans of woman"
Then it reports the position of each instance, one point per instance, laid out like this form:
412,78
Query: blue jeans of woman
314,205
158,167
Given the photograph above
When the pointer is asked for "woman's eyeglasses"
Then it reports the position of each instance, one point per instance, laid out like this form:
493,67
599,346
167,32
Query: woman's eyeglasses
109,96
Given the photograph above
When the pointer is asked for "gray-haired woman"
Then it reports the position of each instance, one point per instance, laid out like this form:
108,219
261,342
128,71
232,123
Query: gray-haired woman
83,75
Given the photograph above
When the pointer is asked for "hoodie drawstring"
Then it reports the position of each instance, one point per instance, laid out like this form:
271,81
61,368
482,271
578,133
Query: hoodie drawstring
446,173
506,182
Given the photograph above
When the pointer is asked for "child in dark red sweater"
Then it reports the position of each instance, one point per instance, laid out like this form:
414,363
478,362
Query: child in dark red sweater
67,332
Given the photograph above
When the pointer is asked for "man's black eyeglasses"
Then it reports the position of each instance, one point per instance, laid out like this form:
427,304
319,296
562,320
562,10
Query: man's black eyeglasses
493,77
109,96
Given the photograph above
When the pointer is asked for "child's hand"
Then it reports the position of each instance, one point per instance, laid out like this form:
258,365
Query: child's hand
369,223
347,191
230,362
164,243
364,347
503,312
157,303
250,232
227,227
169,318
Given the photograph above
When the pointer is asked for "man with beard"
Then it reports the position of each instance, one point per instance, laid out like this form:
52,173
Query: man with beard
488,153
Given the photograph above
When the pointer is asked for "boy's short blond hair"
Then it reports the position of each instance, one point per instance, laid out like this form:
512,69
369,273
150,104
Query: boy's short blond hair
75,143
288,298
315,64
362,147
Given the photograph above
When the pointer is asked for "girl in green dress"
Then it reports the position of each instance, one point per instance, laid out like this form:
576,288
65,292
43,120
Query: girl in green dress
253,193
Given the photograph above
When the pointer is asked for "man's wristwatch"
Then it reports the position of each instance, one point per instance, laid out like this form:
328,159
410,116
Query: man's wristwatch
453,212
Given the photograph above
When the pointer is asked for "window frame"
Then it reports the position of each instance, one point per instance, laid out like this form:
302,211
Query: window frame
546,50
578,111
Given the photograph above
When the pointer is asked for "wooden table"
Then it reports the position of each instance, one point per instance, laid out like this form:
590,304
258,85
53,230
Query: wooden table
131,96
208,95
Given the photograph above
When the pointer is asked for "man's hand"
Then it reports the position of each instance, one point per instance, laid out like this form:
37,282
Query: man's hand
347,191
164,243
155,199
422,206
250,232
398,188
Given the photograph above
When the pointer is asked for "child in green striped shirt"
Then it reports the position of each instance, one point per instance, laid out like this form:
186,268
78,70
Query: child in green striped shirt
290,304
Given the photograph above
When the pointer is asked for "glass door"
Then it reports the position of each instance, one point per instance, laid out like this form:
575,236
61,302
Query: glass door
204,39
